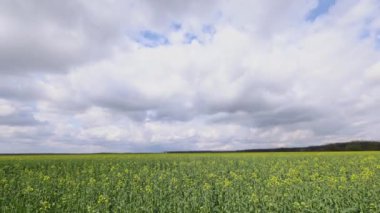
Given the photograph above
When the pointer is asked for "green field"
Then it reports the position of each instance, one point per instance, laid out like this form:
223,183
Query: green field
230,182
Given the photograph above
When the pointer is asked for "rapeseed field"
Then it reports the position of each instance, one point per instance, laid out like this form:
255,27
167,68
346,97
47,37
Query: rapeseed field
227,182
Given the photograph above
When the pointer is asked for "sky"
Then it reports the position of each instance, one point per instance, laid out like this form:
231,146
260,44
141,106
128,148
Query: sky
163,75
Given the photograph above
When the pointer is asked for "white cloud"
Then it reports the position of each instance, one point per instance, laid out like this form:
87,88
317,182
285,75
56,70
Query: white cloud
6,108
373,73
231,75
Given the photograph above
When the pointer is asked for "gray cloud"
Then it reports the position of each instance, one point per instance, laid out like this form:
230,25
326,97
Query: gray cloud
78,76
20,119
54,36
21,87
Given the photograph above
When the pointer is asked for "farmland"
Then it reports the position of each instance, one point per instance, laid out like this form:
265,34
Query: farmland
228,182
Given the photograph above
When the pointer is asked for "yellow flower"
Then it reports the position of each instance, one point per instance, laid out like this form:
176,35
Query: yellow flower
254,198
103,199
28,189
45,205
206,186
148,189
92,181
274,181
226,183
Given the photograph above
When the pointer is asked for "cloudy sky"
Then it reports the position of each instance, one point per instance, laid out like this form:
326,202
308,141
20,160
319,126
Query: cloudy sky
157,75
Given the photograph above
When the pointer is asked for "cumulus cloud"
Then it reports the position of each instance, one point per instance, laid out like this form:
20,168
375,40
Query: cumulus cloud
159,75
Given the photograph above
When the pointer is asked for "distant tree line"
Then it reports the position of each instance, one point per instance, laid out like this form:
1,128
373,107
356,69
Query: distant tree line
345,146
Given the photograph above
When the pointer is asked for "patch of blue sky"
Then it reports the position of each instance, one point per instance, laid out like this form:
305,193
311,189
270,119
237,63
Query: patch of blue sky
365,31
374,36
209,29
364,34
322,8
377,40
189,38
151,39
176,26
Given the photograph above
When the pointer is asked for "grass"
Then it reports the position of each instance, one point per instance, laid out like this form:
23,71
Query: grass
219,182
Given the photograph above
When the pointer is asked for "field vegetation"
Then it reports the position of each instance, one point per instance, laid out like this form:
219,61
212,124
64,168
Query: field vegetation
224,182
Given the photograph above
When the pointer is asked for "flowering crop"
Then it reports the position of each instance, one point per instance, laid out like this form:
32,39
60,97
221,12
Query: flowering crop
230,182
